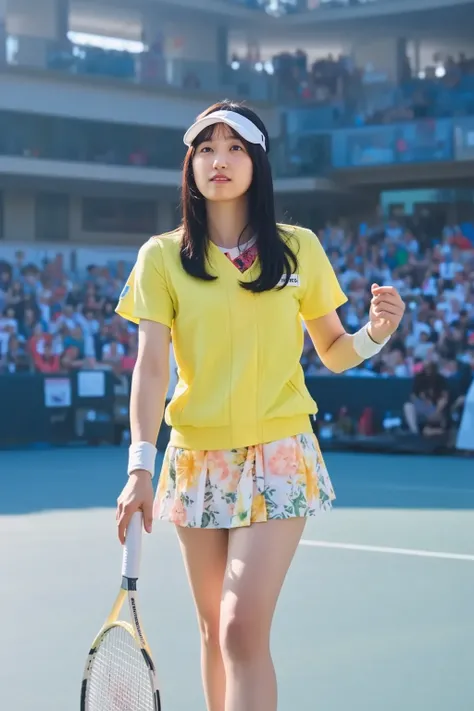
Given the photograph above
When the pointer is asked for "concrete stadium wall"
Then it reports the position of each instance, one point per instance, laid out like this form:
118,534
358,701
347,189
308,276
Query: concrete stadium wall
19,222
103,100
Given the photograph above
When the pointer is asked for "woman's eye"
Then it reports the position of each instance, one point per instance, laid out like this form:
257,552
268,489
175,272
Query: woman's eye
205,149
236,147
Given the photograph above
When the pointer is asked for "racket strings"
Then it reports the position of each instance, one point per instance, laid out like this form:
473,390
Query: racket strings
119,679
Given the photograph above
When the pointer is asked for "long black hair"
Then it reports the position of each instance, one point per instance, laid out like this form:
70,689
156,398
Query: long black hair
275,255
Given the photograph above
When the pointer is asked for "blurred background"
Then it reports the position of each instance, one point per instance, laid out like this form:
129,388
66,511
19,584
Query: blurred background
370,108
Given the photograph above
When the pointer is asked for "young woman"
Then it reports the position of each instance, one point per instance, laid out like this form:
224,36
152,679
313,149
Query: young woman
243,468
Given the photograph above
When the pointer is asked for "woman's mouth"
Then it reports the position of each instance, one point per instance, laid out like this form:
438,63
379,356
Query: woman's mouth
220,179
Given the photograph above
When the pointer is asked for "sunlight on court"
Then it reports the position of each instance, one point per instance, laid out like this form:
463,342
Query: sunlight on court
375,613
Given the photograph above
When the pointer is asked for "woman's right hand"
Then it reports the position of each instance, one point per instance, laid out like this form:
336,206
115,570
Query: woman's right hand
137,495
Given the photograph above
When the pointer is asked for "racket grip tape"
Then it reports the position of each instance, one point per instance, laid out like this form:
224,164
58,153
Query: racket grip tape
133,547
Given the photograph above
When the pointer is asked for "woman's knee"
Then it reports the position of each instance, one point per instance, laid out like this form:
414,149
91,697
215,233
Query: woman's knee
209,629
242,635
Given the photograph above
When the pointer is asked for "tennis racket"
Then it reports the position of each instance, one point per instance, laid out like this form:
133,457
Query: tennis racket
119,673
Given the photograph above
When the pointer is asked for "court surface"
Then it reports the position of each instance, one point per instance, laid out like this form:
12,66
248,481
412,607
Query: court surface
377,612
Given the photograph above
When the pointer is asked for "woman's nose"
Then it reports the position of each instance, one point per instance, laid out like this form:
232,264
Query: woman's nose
220,162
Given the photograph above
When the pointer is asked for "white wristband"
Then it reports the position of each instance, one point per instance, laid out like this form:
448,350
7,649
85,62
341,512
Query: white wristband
364,346
141,455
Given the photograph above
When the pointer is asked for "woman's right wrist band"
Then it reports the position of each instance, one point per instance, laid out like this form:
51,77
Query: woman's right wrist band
141,455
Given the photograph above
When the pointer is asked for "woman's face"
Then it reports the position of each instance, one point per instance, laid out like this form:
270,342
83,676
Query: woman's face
223,169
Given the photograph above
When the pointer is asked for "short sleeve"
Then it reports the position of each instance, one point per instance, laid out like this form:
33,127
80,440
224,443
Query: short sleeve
322,292
145,294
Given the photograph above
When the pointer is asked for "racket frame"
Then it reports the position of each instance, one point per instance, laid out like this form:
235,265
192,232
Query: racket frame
128,590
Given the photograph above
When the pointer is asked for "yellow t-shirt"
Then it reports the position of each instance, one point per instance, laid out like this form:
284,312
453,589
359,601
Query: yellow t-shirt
238,353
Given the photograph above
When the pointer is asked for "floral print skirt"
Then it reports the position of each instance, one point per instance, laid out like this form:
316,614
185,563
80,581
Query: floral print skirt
238,487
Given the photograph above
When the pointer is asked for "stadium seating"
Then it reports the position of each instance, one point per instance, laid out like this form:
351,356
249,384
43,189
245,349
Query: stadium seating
55,318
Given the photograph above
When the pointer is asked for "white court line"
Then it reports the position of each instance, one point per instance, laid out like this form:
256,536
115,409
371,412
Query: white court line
391,551
407,488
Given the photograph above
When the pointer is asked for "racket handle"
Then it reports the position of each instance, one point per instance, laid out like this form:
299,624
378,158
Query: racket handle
133,547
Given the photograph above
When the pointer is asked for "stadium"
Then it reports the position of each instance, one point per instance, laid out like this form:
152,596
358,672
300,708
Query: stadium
369,106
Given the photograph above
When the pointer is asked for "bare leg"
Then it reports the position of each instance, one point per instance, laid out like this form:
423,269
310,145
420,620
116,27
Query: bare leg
205,557
258,560
410,416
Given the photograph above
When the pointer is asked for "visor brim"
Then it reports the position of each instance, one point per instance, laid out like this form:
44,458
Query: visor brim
251,134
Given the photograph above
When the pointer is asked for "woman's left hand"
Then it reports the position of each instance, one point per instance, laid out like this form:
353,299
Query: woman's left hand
386,311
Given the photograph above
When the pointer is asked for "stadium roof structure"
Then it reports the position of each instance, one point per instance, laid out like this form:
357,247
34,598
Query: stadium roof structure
393,17
430,19
218,9
373,9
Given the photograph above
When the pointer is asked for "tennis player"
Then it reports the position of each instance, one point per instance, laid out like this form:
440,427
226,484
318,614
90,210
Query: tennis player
243,469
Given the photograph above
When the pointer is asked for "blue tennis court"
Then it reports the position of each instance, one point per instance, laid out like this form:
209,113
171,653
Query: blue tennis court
376,612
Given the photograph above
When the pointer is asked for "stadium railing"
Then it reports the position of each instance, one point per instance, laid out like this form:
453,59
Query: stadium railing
148,68
312,152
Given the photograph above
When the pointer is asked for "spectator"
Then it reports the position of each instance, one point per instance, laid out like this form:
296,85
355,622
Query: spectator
75,296
5,278
70,359
28,323
396,364
90,327
423,347
109,312
15,359
45,297
75,339
16,299
8,327
448,269
66,318
18,265
37,341
90,363
426,410
47,361
113,352
92,302
9,319
130,357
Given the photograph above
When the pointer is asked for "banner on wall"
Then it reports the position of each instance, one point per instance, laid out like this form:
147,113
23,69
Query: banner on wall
57,392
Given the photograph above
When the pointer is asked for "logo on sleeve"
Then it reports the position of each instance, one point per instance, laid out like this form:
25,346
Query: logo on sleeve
125,291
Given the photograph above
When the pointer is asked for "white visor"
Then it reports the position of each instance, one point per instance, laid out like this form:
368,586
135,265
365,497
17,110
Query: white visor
241,125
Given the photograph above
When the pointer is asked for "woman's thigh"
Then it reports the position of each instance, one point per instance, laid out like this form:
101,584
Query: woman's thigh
257,563
205,557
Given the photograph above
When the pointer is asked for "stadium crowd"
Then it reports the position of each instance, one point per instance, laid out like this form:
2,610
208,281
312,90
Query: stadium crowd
359,96
352,94
435,276
56,320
